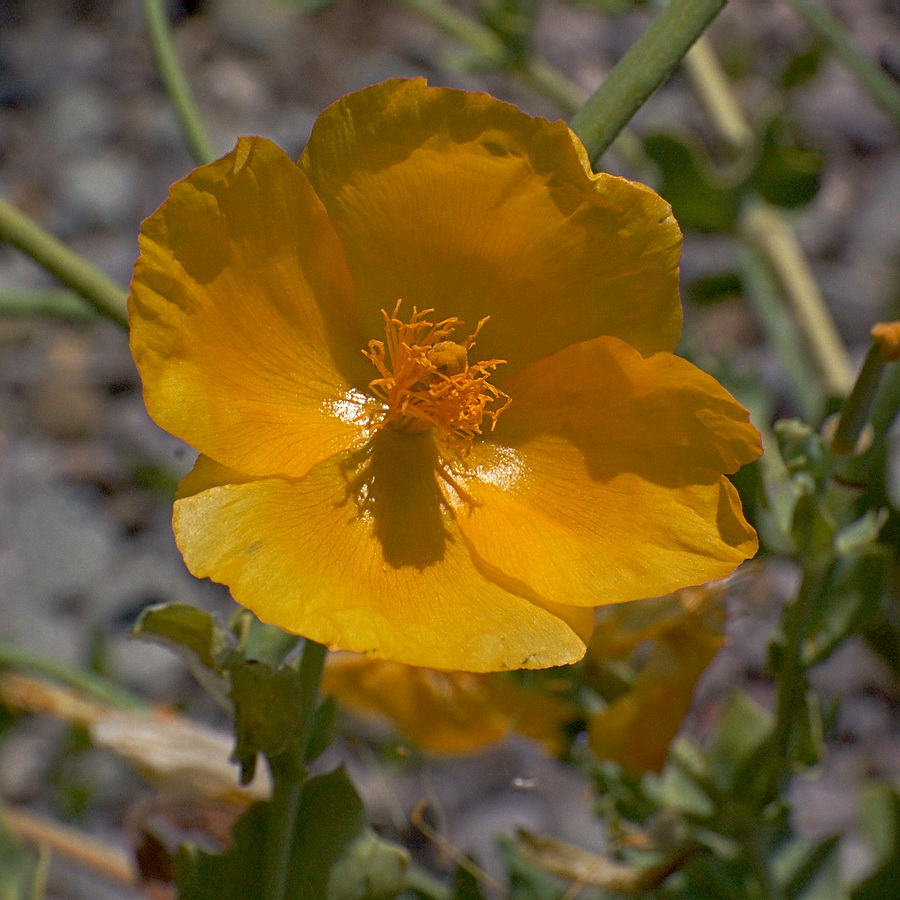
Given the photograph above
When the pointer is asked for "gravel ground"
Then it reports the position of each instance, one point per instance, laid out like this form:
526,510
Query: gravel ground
89,146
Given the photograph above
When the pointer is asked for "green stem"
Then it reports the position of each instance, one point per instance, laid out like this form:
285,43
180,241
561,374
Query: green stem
312,662
72,270
760,885
546,79
862,469
711,83
791,678
38,889
882,89
175,83
87,682
781,330
284,812
887,403
537,73
289,774
766,228
641,71
59,303
459,26
858,408
791,675
427,885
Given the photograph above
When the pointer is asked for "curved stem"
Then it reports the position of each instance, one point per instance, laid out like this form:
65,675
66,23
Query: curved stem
766,228
71,269
711,83
175,83
872,77
288,775
641,71
781,330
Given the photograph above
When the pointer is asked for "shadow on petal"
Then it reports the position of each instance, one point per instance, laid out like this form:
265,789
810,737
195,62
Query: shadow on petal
657,417
394,480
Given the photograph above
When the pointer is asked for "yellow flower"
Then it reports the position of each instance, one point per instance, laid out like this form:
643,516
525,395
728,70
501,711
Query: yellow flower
447,712
429,373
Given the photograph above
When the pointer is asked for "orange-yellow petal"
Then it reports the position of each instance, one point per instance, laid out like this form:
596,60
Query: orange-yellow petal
603,481
361,554
446,712
637,728
460,202
243,322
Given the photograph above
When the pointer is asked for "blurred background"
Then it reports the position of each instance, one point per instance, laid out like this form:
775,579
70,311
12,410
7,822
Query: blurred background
89,146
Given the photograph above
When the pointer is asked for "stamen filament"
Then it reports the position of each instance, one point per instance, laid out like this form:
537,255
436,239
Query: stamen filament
427,382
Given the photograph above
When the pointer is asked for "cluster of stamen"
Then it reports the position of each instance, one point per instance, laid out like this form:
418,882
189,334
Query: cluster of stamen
426,380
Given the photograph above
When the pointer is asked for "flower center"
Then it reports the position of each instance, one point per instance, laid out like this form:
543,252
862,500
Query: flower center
426,381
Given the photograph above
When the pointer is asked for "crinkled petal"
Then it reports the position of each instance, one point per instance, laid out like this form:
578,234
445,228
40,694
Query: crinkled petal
362,554
243,320
671,640
460,202
603,482
661,694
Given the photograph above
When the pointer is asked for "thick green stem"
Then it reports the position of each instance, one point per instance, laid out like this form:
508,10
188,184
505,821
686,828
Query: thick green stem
863,468
857,410
72,270
311,664
288,774
175,83
284,811
887,403
641,71
882,89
